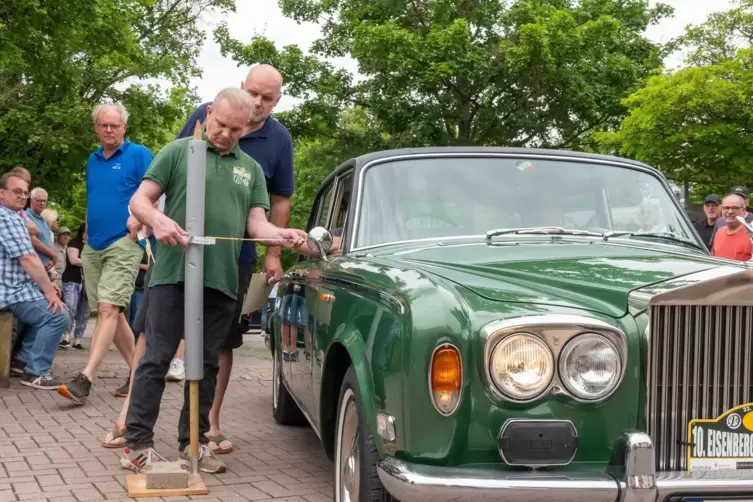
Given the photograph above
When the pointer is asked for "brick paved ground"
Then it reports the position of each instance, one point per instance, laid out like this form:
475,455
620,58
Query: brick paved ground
50,450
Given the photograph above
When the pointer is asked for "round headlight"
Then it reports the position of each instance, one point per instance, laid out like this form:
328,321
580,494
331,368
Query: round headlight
522,366
590,366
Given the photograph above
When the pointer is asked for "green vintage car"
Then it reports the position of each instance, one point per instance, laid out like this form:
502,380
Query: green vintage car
515,325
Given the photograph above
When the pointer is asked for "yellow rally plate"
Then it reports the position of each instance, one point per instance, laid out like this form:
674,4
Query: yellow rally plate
722,443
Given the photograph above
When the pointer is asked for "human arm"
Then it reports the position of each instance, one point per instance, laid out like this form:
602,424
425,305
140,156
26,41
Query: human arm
258,227
281,190
73,256
40,247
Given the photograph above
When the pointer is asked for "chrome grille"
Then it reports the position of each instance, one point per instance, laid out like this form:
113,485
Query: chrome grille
699,366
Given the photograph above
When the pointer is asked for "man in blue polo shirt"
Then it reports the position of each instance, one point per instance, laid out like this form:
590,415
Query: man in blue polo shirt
269,143
42,241
111,255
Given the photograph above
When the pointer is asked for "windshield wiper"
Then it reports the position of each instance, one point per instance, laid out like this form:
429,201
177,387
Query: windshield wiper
663,235
538,230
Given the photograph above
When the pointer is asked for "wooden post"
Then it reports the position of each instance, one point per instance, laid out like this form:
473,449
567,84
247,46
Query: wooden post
194,282
6,346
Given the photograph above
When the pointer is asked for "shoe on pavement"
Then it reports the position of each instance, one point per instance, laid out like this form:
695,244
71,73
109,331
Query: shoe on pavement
177,371
77,390
17,367
43,382
122,391
77,345
208,462
138,460
64,344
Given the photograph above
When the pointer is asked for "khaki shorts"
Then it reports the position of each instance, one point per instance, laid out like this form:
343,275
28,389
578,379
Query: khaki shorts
110,274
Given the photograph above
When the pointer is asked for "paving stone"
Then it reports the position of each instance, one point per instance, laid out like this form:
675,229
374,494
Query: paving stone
50,448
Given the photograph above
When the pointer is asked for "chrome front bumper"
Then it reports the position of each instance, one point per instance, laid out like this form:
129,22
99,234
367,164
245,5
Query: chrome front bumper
630,477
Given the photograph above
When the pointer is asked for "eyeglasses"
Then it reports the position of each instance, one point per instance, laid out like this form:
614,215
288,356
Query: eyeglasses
114,127
18,192
731,208
40,201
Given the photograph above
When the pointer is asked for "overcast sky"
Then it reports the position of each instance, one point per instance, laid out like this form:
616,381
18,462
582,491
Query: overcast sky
264,16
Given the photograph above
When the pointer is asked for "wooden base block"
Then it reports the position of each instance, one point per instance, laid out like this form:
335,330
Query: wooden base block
137,488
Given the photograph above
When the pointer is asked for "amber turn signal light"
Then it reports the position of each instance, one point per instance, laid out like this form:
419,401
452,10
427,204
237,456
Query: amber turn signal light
445,378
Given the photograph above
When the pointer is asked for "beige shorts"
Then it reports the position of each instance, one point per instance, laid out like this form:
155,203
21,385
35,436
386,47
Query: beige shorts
110,274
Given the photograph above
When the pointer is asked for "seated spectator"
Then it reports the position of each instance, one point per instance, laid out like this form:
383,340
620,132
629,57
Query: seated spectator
26,290
42,242
74,292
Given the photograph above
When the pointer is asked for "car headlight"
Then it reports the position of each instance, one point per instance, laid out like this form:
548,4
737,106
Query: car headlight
590,366
522,366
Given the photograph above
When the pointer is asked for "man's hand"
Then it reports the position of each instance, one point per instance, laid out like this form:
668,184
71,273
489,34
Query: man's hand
54,301
272,267
167,232
294,238
134,227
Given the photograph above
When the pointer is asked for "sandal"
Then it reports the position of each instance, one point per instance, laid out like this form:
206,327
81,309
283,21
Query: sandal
215,444
115,438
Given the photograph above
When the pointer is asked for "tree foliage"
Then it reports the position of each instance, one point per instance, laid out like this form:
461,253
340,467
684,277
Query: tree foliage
526,72
696,123
58,59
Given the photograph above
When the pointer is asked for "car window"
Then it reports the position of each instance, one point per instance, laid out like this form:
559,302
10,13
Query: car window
324,204
342,203
421,198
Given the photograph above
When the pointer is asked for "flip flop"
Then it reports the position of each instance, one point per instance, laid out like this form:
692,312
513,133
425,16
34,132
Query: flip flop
115,438
215,444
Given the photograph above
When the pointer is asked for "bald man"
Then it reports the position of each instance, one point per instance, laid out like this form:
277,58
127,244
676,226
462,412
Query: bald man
269,143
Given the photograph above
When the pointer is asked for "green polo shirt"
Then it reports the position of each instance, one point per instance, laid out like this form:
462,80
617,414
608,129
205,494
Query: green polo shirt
235,183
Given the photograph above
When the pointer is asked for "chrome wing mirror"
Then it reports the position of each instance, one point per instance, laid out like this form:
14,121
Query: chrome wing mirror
319,238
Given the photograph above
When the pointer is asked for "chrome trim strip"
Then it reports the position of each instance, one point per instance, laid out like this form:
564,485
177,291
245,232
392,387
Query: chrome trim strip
630,477
518,155
549,328
462,375
427,483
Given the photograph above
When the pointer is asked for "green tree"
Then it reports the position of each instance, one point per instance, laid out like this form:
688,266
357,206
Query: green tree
58,59
696,124
527,72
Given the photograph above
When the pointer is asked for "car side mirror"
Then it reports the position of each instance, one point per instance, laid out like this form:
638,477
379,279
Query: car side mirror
319,238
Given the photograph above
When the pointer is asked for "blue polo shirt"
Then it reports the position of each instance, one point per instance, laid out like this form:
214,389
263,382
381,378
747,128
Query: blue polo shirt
45,234
272,147
110,184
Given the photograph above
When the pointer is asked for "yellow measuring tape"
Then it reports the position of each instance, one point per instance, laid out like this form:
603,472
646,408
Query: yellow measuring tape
207,240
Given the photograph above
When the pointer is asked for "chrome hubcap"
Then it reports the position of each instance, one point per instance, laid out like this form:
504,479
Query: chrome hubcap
348,455
275,381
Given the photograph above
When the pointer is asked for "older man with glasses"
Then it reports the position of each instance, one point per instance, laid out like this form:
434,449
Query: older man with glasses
111,255
26,290
43,241
732,241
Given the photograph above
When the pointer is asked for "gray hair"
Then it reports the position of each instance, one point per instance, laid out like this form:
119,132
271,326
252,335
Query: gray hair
37,191
235,96
118,107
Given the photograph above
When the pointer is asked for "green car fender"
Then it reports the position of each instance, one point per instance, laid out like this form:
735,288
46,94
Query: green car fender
346,349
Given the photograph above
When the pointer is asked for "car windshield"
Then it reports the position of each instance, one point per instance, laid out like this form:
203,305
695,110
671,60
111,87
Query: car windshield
424,198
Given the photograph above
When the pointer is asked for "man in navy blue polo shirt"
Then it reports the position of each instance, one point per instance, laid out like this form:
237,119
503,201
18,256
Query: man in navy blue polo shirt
111,255
269,143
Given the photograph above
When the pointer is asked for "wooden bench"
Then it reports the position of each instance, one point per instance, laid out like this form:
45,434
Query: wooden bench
6,346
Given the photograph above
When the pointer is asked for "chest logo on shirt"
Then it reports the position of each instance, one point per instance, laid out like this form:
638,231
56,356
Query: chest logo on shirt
116,165
241,176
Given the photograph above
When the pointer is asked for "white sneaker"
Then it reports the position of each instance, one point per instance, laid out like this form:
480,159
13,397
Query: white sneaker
177,371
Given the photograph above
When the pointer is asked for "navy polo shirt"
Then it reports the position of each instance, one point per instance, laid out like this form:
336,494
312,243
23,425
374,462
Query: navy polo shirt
272,147
110,184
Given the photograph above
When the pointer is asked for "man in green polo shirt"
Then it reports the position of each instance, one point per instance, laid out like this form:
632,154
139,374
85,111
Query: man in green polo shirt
236,202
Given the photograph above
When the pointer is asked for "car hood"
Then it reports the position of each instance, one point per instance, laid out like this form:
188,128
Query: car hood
591,275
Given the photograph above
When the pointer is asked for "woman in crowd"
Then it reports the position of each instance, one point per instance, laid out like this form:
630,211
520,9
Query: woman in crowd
74,293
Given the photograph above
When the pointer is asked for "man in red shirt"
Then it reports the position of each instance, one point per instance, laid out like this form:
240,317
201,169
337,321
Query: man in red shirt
732,241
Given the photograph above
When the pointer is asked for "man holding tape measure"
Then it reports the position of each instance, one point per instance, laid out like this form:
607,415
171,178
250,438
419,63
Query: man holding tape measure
237,202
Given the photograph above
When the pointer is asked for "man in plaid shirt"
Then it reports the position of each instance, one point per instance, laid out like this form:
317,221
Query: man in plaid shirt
26,290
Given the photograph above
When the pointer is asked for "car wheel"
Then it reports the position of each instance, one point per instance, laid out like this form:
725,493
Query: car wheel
356,478
284,408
